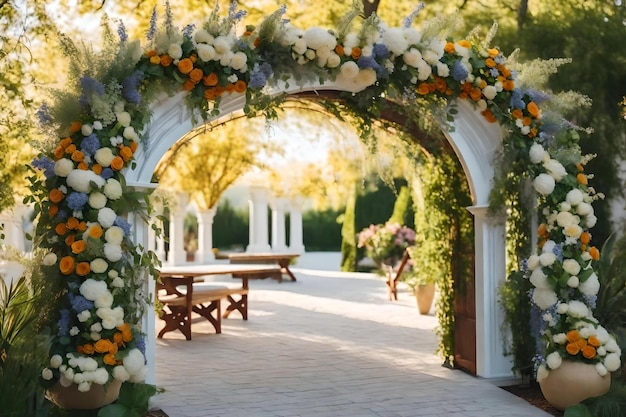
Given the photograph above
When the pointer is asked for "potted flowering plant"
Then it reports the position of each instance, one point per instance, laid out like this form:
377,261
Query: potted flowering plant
385,244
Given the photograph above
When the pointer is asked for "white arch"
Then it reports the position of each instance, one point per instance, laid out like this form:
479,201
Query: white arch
475,142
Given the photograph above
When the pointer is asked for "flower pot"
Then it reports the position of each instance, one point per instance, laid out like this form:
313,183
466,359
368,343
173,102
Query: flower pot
424,295
70,398
573,382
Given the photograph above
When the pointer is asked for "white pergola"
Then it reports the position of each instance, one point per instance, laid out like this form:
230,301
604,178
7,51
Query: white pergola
475,141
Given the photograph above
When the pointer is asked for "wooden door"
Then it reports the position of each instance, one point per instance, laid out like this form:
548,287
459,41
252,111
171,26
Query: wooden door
465,319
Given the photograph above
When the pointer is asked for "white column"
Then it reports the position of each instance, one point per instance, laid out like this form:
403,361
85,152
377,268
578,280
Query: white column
279,206
205,235
12,221
177,255
490,242
259,236
295,227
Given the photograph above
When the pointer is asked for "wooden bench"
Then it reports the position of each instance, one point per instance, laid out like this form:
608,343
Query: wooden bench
181,296
283,260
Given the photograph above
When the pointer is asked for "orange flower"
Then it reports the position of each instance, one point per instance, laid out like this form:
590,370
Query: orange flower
127,335
56,195
490,63
573,336
580,167
595,253
476,94
80,349
356,52
256,42
53,210
493,52
118,338
581,343
83,166
109,359
133,146
66,265
123,327
423,89
440,84
70,149
188,85
65,142
60,229
508,85
117,163
219,90
59,152
82,226
593,341
542,230
102,345
533,132
69,240
572,349
95,231
489,116
113,348
78,247
72,223
209,94
585,237
517,114
77,156
165,60
88,348
75,127
210,80
230,87
581,178
464,43
527,121
533,109
97,169
155,60
339,50
196,75
449,47
185,66
193,57
83,268
151,53
589,352
126,153
240,86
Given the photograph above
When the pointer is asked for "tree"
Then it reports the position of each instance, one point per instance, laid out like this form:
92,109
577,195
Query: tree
208,164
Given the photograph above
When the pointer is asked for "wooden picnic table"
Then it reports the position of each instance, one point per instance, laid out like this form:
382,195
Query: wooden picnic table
181,295
283,260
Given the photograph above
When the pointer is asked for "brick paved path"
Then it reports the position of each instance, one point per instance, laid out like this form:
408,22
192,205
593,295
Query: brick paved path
328,345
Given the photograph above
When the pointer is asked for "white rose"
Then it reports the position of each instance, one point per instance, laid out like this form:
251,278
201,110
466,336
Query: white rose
490,92
536,153
571,266
591,220
123,118
223,44
104,300
202,36
117,282
601,351
423,70
95,336
113,189
47,374
544,184
120,373
577,309
134,361
101,376
205,52
548,246
106,217
84,386
114,235
533,262
442,69
50,259
574,197
366,77
63,167
547,258
349,70
560,338
612,362
83,316
573,282
113,273
113,252
601,369
98,265
584,209
65,381
395,41
565,206
104,156
333,60
573,230
86,129
56,361
412,57
175,51
555,168
96,327
611,345
544,298
591,286
74,331
562,308
239,61
140,376
565,218
97,200
130,134
554,360
539,279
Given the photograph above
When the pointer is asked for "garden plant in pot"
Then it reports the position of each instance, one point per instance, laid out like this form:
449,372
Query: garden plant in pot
385,244
422,283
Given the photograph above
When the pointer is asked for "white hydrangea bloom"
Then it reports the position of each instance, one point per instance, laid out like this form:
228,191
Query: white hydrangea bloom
175,51
577,309
590,286
544,298
80,180
113,252
612,362
104,156
206,52
49,259
574,197
544,184
106,217
63,167
536,153
113,189
555,168
97,200
554,360
542,373
123,118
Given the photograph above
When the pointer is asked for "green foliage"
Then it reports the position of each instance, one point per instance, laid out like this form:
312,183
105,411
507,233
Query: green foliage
230,226
611,304
513,298
321,231
611,404
402,208
132,402
348,237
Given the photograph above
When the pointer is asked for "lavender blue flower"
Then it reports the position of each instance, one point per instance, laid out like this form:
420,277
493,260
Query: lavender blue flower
140,343
43,114
459,72
153,25
266,69
516,99
367,62
62,215
90,85
130,87
188,30
79,303
169,17
494,72
235,15
500,59
257,80
121,31
537,326
524,266
123,224
590,300
558,251
45,164
538,96
76,200
64,323
408,21
242,45
90,144
107,173
381,51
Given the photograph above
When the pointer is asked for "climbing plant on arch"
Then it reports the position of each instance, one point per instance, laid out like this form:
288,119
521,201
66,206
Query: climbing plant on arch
101,121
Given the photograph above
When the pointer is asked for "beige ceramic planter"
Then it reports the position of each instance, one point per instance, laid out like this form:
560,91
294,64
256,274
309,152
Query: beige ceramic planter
70,398
573,382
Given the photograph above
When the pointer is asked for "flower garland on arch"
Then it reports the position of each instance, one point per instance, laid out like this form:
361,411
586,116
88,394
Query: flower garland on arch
101,120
